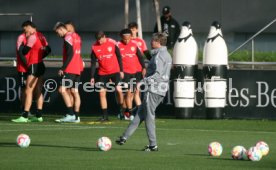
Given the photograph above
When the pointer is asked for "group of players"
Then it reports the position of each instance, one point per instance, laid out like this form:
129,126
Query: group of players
120,64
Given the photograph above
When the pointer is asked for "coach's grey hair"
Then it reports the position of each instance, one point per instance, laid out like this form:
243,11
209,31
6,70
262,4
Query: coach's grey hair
160,37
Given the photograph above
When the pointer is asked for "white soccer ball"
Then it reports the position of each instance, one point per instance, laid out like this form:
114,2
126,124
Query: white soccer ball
23,140
104,144
264,148
254,154
239,152
215,149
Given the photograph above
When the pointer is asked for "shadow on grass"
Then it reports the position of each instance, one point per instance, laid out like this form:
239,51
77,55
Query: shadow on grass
7,144
210,157
196,154
224,159
50,146
3,144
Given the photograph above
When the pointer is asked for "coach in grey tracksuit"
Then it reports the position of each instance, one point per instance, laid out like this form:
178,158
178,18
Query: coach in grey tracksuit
156,86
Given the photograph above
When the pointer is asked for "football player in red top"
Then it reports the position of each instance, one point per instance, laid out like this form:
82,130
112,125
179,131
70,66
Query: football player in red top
36,49
70,72
21,67
141,72
71,28
132,59
110,70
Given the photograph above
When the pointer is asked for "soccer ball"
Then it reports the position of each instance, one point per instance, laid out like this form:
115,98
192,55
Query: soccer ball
239,152
104,144
215,149
254,154
264,148
23,140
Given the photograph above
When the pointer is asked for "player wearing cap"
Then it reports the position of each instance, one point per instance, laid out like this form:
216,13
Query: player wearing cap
169,26
110,70
36,49
133,62
70,73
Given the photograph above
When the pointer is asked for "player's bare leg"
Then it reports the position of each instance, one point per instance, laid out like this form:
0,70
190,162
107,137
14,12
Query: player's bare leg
120,95
75,99
39,101
70,116
137,98
66,96
71,95
30,86
22,98
103,103
121,101
39,95
129,99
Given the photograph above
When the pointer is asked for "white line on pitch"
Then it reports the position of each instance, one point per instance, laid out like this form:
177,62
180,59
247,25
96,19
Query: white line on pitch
76,127
48,129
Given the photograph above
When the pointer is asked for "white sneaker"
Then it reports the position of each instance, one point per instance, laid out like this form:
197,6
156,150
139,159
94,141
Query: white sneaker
127,118
67,118
77,120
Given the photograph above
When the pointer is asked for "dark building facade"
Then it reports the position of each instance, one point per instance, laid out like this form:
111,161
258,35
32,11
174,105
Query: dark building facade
240,19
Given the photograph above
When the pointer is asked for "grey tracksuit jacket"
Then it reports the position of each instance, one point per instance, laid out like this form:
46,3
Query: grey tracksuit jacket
158,71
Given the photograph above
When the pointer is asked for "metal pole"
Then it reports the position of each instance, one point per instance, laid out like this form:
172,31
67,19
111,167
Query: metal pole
251,38
138,9
126,12
252,54
158,21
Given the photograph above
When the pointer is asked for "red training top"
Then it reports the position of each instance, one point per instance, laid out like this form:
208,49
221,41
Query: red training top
107,59
76,64
129,56
36,42
141,44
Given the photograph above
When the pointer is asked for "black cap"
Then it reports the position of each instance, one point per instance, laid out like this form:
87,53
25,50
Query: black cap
216,24
99,35
187,24
59,24
125,31
166,10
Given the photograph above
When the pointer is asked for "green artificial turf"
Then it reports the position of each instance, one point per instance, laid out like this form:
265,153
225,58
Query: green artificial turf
182,145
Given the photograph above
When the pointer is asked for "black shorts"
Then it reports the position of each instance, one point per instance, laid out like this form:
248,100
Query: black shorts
139,76
36,70
130,81
22,77
110,80
70,80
